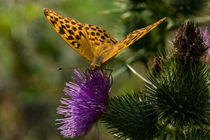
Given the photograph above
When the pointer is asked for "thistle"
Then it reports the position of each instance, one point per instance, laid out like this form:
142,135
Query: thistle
189,43
86,100
181,92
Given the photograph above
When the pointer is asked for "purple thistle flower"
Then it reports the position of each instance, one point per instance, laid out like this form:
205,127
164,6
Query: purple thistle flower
206,40
206,37
88,99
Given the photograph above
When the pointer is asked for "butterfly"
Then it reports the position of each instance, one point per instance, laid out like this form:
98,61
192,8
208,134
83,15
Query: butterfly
90,41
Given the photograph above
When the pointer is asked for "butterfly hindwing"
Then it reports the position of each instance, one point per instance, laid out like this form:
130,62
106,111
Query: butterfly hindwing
72,31
129,39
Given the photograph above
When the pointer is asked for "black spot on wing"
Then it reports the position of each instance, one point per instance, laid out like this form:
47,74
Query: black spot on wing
73,22
61,31
93,28
74,28
81,34
71,32
67,21
67,26
106,35
78,37
102,37
78,45
70,38
53,22
80,27
62,26
113,41
75,44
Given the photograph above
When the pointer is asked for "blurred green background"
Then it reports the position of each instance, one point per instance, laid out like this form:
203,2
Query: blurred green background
31,52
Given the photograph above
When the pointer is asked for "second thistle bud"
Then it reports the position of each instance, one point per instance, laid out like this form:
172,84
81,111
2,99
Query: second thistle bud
189,43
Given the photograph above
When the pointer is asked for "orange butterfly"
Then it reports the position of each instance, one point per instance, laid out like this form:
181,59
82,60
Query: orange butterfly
92,42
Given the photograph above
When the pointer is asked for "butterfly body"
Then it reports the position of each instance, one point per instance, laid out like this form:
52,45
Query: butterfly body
96,63
92,42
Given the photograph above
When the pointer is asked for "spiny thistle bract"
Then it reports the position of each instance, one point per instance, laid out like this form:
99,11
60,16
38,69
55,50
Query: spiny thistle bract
131,116
180,92
180,89
193,134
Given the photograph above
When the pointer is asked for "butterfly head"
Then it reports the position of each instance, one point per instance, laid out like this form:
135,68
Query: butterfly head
96,63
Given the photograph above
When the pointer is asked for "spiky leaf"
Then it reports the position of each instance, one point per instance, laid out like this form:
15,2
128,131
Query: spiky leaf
131,116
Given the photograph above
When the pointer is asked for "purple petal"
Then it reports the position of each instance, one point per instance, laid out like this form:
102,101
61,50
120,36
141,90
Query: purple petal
87,100
206,37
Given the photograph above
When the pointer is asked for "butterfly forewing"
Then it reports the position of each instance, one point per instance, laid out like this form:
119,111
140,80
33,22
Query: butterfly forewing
129,39
72,31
